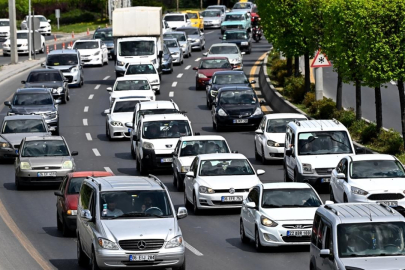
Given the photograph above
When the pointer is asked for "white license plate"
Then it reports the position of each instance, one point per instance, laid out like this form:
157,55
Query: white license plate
240,121
231,198
299,233
164,160
390,203
46,174
325,180
140,258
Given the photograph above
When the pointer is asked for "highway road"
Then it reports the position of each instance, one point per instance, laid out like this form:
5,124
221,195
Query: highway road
213,237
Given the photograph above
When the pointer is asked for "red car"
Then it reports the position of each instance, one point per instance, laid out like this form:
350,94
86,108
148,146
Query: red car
208,66
67,199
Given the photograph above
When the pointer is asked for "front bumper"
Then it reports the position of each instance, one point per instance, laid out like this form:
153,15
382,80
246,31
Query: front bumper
277,236
167,66
6,152
118,132
253,121
46,30
196,45
21,49
176,58
314,179
92,60
202,81
214,201
54,122
70,221
271,152
212,24
155,87
31,176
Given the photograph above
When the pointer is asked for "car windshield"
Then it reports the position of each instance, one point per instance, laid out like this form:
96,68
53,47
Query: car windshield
44,77
44,148
174,18
132,85
242,6
192,15
74,185
141,69
135,204
215,64
212,13
189,31
166,129
235,35
22,35
104,35
194,148
62,60
4,23
237,97
33,99
124,106
372,239
23,126
222,167
171,43
323,143
365,169
224,50
289,197
86,45
178,36
279,125
136,48
230,79
41,18
234,17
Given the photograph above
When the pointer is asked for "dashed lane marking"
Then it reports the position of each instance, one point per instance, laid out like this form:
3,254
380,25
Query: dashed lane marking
96,152
107,169
198,59
88,136
85,122
210,32
86,109
180,75
174,84
91,96
97,86
193,249
171,94
188,67
106,78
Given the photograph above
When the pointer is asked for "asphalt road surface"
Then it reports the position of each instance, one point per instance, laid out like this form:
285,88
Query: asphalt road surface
214,235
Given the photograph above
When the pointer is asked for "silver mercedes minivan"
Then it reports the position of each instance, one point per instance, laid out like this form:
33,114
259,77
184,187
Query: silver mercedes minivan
128,221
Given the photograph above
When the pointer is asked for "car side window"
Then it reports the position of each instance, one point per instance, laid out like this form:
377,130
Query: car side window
320,235
63,185
315,226
85,194
328,239
344,167
92,206
254,196
176,149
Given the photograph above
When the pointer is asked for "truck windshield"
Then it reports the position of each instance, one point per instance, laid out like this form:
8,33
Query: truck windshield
22,35
324,143
136,48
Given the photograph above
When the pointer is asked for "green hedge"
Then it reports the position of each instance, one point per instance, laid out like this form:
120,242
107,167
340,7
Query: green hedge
75,16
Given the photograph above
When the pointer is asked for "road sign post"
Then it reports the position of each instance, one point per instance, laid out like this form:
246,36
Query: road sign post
13,32
57,16
320,61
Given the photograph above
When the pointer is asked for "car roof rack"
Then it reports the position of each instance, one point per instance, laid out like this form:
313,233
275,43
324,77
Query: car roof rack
336,121
297,122
95,182
388,208
328,207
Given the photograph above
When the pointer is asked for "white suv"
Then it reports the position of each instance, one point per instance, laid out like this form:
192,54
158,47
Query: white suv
313,148
175,20
155,139
145,69
131,86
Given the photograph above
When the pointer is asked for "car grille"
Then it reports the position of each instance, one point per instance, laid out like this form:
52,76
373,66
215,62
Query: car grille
86,60
227,190
240,112
290,239
47,168
150,244
325,171
19,45
85,55
232,26
70,78
65,70
226,203
297,226
386,196
43,27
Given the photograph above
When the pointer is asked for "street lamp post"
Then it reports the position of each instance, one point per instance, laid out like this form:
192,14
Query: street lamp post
29,30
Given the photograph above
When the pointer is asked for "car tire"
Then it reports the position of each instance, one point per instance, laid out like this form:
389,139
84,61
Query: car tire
65,229
58,222
258,244
257,156
133,154
64,98
218,127
243,236
56,132
189,53
82,258
94,265
182,61
332,195
18,185
183,266
68,95
203,47
209,106
42,48
174,179
137,165
196,210
180,184
264,160
345,200
186,202
142,170
197,87
107,132
81,82
286,177
295,177
157,92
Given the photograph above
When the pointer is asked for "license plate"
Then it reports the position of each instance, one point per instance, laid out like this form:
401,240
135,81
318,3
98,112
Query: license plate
325,180
299,233
390,203
140,258
240,121
164,160
46,174
231,198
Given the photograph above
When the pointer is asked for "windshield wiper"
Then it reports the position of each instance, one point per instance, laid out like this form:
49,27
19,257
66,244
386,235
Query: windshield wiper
333,139
131,214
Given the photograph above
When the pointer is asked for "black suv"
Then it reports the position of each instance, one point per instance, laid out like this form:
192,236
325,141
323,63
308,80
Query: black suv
52,79
38,101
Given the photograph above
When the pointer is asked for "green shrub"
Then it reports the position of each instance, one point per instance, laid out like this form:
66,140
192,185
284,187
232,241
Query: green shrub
346,117
295,88
369,133
75,16
323,109
278,71
357,128
309,98
391,142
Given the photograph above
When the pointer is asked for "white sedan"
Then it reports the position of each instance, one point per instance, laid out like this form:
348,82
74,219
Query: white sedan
22,43
219,181
279,214
136,86
92,52
369,178
145,69
270,136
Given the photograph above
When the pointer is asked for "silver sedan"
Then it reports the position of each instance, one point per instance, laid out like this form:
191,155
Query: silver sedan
195,36
175,50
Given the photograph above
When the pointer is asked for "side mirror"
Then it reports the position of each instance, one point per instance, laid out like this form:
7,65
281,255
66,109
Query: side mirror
58,193
262,102
243,53
260,172
23,82
190,174
201,17
52,129
259,131
129,125
160,54
74,153
251,205
49,21
58,101
174,154
66,80
252,82
328,202
181,213
288,152
341,176
109,89
86,215
205,54
325,253
188,20
107,111
195,68
7,103
42,64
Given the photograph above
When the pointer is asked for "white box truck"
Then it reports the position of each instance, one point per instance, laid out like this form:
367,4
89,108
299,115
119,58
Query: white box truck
137,33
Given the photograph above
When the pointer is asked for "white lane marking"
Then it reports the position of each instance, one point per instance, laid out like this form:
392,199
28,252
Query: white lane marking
188,67
174,84
193,249
88,136
96,152
91,96
85,122
180,75
106,78
198,59
86,109
107,169
171,94
209,32
97,86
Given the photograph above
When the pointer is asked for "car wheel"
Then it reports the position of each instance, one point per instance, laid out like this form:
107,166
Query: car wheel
196,210
197,87
64,98
183,266
218,127
203,47
138,167
258,244
208,104
264,160
81,82
171,70
180,184
186,202
82,258
286,177
157,92
243,236
214,126
331,195
295,177
42,48
107,132
345,200
68,95
58,223
257,156
94,265
133,154
189,53
174,179
142,169
17,183
182,60
56,132
65,229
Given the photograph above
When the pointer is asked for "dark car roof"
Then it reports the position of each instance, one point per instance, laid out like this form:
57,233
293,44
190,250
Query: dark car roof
238,30
228,72
104,29
185,27
233,88
33,90
68,51
45,70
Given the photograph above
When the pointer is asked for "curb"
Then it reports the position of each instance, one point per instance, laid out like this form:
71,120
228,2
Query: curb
31,64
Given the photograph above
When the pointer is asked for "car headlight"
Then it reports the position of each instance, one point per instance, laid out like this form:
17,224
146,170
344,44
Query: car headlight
273,143
267,222
57,90
306,168
25,166
221,112
97,53
203,189
214,93
244,43
74,70
71,212
5,145
175,53
116,124
237,60
107,244
148,145
67,165
359,191
183,45
185,169
197,40
175,242
51,114
200,75
5,45
258,111
120,63
155,81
